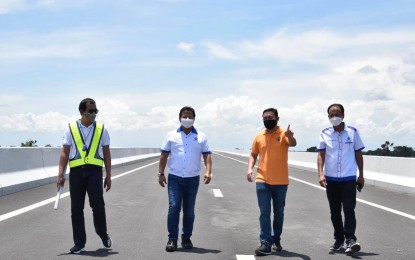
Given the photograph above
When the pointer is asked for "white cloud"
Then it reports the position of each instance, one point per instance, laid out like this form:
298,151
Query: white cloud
230,121
186,47
219,51
49,122
7,100
314,46
47,3
81,43
368,69
8,6
12,6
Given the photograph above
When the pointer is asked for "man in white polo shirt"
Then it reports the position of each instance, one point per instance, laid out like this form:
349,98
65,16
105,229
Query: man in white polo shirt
185,146
340,153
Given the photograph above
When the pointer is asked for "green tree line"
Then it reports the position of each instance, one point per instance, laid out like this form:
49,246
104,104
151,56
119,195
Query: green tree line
386,149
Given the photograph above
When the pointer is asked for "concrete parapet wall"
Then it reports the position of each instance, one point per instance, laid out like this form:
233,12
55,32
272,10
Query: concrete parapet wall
394,173
24,168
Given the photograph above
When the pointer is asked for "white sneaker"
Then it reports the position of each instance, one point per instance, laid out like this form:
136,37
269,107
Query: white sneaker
352,247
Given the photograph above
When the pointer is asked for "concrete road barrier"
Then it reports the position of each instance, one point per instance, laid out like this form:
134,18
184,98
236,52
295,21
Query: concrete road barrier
392,173
23,168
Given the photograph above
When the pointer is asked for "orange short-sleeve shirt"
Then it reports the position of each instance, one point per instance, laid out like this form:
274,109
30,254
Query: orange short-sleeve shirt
272,149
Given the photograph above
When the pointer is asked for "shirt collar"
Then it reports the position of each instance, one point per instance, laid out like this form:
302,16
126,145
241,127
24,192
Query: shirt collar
180,129
82,126
266,132
332,130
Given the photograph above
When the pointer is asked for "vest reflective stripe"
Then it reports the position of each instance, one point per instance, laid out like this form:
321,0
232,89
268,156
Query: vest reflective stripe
91,155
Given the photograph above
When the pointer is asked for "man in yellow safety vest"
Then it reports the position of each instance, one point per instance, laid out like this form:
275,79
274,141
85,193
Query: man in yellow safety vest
86,145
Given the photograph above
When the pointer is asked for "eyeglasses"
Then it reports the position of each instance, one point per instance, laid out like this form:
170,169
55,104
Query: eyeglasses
92,111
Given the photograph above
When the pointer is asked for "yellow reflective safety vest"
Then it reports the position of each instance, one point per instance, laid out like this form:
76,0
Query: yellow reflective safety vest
86,155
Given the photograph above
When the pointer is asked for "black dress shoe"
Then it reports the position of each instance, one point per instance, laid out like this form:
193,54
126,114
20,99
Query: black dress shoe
171,245
187,243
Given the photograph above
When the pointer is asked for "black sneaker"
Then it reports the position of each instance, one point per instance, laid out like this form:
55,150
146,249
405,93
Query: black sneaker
171,245
337,246
352,247
187,243
277,246
107,242
77,249
263,249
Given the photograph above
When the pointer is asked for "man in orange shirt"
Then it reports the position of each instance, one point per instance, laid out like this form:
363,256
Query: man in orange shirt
271,145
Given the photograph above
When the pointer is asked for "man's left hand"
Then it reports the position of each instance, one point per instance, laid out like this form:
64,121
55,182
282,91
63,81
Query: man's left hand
361,182
107,183
207,178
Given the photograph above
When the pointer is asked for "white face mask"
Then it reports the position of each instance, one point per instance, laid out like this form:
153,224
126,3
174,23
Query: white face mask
335,121
187,122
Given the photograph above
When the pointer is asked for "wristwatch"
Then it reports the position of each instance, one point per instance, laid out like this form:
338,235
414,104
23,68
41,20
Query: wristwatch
161,174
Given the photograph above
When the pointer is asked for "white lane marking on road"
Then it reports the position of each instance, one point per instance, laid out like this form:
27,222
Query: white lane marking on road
397,212
231,158
313,185
30,207
245,257
400,213
66,194
217,193
133,170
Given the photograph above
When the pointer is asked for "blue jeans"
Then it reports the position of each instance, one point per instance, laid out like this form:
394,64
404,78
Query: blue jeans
182,191
266,193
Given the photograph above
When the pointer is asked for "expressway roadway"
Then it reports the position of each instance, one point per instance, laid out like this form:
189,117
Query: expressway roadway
226,225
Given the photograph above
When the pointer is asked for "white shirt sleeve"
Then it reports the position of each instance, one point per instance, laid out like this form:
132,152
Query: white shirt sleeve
358,143
166,145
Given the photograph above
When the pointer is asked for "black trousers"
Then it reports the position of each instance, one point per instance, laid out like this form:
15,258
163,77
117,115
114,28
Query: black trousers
342,195
82,180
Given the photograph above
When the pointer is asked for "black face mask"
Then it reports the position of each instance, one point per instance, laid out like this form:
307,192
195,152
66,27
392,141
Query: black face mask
270,124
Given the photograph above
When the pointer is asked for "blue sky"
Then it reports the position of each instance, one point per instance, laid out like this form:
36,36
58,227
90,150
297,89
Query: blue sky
143,60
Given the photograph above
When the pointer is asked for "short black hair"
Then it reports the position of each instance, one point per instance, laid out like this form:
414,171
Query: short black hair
84,102
336,105
187,108
273,110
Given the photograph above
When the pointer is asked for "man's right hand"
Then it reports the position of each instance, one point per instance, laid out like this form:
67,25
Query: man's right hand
250,175
322,181
162,180
61,181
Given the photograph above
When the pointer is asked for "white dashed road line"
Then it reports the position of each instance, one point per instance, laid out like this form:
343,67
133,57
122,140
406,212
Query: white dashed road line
217,193
245,257
66,194
397,212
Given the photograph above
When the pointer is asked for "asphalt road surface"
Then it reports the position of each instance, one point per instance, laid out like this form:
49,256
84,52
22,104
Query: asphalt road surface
226,225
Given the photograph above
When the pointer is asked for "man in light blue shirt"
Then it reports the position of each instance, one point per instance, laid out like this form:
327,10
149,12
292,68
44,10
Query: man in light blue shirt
184,146
340,154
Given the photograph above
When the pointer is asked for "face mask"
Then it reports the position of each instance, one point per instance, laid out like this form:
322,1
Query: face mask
335,121
270,124
187,122
90,117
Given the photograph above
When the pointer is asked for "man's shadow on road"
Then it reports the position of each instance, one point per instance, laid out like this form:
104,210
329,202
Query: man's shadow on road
102,252
285,253
357,255
199,250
